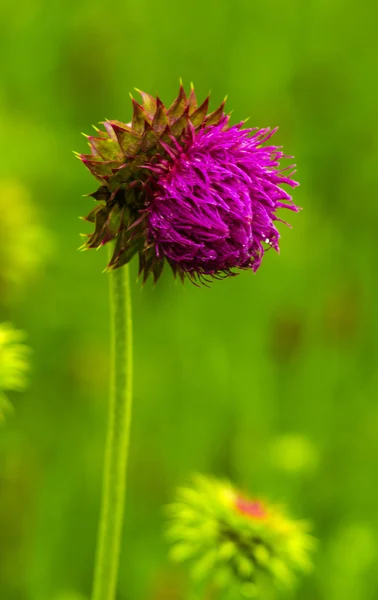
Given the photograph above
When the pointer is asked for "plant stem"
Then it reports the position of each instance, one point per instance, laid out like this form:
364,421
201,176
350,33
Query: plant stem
118,435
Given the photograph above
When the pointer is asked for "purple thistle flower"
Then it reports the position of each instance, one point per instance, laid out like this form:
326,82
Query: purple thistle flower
202,196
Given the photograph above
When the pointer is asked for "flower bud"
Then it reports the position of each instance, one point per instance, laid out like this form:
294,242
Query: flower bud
236,540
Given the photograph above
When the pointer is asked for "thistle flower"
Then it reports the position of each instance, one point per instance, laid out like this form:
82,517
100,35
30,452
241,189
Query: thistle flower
182,186
14,364
236,540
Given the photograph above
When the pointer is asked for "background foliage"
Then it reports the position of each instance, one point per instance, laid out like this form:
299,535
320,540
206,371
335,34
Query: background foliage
269,379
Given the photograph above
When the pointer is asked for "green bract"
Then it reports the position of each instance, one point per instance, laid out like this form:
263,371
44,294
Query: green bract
235,540
117,160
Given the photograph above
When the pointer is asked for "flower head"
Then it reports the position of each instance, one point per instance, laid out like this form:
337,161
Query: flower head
184,187
236,540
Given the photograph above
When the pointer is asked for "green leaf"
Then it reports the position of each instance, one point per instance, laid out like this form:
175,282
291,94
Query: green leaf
139,118
192,100
91,218
160,121
179,125
120,176
214,117
100,224
245,566
204,565
113,223
262,554
107,148
149,139
127,139
198,117
227,550
179,105
281,571
146,262
128,253
157,270
99,168
6,407
181,552
101,195
149,103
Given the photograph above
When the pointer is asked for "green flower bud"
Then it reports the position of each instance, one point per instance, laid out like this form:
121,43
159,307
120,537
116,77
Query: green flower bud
236,540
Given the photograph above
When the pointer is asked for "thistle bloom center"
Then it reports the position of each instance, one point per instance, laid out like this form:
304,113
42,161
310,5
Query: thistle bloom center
213,206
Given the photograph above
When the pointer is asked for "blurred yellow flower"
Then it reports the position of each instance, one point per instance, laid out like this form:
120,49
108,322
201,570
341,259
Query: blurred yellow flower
24,243
237,541
14,364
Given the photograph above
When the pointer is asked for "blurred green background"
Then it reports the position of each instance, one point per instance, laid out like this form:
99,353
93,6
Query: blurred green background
270,379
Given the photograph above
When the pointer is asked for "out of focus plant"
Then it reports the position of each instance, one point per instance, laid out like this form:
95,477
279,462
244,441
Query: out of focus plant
24,242
352,553
69,595
235,540
14,364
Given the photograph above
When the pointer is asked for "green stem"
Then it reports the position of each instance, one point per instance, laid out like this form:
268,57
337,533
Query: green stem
118,435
